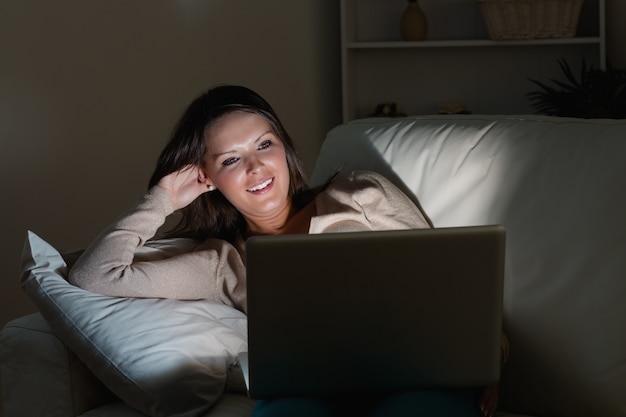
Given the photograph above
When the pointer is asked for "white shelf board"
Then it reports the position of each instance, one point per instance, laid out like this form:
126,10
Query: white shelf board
471,43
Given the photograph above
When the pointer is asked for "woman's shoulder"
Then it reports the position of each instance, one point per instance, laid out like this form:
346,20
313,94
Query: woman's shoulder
358,187
372,199
356,181
372,176
358,177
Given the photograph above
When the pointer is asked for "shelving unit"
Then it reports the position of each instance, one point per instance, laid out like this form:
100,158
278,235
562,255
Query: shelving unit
458,62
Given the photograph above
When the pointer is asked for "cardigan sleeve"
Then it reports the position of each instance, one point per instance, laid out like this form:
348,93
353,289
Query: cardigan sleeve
211,270
362,201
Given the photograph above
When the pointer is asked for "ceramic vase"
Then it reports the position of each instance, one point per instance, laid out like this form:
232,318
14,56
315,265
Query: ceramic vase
413,24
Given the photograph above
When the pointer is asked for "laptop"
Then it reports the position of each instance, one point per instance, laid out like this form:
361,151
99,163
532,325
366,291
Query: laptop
381,311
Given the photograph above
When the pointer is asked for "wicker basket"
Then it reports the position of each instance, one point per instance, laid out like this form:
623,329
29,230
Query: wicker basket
530,19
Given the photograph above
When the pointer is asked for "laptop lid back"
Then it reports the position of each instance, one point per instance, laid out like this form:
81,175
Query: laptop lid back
374,311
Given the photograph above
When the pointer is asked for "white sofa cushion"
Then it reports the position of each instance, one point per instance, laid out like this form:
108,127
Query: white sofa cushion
557,185
162,357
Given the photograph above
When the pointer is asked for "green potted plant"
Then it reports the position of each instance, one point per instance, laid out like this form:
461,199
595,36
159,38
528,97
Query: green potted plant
595,94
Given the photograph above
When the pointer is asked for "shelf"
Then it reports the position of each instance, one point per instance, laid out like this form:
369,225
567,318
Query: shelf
457,63
471,43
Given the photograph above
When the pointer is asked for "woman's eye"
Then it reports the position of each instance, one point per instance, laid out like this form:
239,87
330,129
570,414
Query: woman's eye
265,144
229,161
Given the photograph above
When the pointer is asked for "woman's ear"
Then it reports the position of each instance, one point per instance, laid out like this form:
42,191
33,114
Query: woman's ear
204,179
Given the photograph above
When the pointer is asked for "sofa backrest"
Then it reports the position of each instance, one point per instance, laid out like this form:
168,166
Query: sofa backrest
557,186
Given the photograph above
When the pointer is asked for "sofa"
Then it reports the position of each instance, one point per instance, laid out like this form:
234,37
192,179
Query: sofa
555,184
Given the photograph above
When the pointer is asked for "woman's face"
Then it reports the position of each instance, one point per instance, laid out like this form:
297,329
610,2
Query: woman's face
247,163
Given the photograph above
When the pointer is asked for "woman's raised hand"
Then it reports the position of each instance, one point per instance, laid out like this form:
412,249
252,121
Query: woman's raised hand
184,185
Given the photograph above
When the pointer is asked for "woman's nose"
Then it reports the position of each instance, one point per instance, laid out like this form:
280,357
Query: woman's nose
254,164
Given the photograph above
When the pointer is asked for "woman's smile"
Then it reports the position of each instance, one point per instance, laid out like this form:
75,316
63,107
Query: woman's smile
263,187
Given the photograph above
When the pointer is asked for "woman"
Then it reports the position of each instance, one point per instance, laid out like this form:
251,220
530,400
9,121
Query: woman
232,171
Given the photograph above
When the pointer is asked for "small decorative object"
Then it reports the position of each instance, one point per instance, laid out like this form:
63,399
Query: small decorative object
413,24
530,19
453,107
388,109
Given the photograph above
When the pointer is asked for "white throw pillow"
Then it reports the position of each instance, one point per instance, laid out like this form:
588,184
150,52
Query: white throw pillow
162,357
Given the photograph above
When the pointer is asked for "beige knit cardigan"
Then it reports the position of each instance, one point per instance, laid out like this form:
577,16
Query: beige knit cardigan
215,269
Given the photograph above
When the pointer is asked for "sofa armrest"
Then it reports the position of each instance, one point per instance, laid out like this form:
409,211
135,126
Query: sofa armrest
40,376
